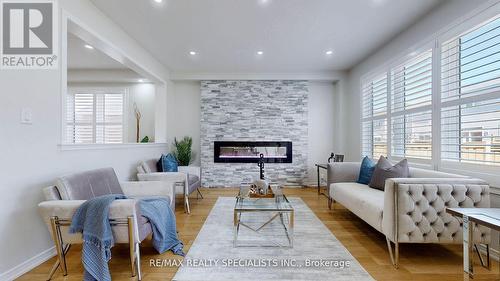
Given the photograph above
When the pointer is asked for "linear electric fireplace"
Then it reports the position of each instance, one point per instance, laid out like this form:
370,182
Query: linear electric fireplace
249,151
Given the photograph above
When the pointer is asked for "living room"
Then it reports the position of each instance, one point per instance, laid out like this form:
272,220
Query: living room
250,140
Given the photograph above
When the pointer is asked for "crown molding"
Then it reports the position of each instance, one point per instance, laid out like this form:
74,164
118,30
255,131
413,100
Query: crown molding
330,76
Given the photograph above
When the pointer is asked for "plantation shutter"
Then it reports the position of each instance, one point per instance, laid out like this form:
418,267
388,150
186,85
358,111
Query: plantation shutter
411,98
374,115
95,118
470,96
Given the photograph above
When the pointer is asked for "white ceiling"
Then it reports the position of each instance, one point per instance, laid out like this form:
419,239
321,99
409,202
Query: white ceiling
80,57
293,34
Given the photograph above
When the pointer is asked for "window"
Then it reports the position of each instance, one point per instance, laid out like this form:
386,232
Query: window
470,98
374,126
95,116
411,112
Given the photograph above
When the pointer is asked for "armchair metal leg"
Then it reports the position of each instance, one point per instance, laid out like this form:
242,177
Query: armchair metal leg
186,204
57,263
394,256
131,244
138,261
199,193
56,235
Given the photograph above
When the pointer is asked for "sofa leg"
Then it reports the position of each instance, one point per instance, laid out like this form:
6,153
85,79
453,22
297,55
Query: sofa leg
331,203
394,256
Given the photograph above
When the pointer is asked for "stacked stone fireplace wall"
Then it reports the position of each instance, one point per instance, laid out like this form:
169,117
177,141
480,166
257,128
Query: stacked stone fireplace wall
254,111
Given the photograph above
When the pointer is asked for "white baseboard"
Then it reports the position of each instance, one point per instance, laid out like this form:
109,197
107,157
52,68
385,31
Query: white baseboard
28,265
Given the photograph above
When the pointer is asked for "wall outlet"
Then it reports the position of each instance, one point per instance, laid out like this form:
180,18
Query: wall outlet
26,116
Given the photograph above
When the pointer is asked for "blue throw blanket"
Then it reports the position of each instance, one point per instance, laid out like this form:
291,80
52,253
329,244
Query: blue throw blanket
92,220
157,211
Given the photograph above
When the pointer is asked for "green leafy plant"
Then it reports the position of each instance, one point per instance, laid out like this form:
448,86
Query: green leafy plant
182,151
145,139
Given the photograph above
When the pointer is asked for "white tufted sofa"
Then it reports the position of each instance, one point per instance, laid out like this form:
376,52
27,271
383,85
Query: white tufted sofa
410,210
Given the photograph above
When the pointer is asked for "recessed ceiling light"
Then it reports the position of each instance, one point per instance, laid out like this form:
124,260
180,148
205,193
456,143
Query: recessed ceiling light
329,52
158,1
260,52
88,46
192,53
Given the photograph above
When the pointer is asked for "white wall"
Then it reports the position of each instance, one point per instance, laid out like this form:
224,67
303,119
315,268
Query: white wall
184,114
321,125
418,33
31,156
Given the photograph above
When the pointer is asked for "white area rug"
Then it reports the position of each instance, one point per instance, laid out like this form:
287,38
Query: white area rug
316,253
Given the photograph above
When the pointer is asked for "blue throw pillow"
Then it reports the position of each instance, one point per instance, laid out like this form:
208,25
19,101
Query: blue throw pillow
169,163
366,170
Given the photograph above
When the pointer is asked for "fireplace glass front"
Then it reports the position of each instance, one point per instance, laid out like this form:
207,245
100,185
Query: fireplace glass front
250,151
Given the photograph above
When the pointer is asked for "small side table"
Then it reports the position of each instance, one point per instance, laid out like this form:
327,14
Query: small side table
322,166
489,217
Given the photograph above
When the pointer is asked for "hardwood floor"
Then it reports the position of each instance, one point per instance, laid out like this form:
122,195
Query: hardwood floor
368,246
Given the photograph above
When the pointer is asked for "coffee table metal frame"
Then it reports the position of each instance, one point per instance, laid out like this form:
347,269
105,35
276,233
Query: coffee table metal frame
279,207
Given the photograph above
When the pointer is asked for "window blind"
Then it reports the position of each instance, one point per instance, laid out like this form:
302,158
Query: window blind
95,118
411,83
374,124
411,98
375,97
470,63
470,98
80,112
412,135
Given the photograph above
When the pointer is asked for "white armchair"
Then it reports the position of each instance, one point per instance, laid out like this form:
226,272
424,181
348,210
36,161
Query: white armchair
128,225
186,181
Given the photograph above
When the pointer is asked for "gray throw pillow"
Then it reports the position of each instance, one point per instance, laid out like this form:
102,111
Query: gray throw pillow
384,170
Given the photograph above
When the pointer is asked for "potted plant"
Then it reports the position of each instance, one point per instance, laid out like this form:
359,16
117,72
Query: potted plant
182,151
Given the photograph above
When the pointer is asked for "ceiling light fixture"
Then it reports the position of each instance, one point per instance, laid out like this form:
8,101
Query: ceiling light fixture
260,52
158,1
141,80
329,52
88,46
192,53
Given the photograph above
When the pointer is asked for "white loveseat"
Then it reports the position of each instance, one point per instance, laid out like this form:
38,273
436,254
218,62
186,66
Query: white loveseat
410,210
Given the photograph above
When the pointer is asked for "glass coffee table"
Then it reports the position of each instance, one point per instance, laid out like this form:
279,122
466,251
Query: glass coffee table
268,219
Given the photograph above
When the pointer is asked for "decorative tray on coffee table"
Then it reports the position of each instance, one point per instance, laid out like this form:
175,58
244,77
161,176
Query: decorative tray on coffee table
270,194
249,190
